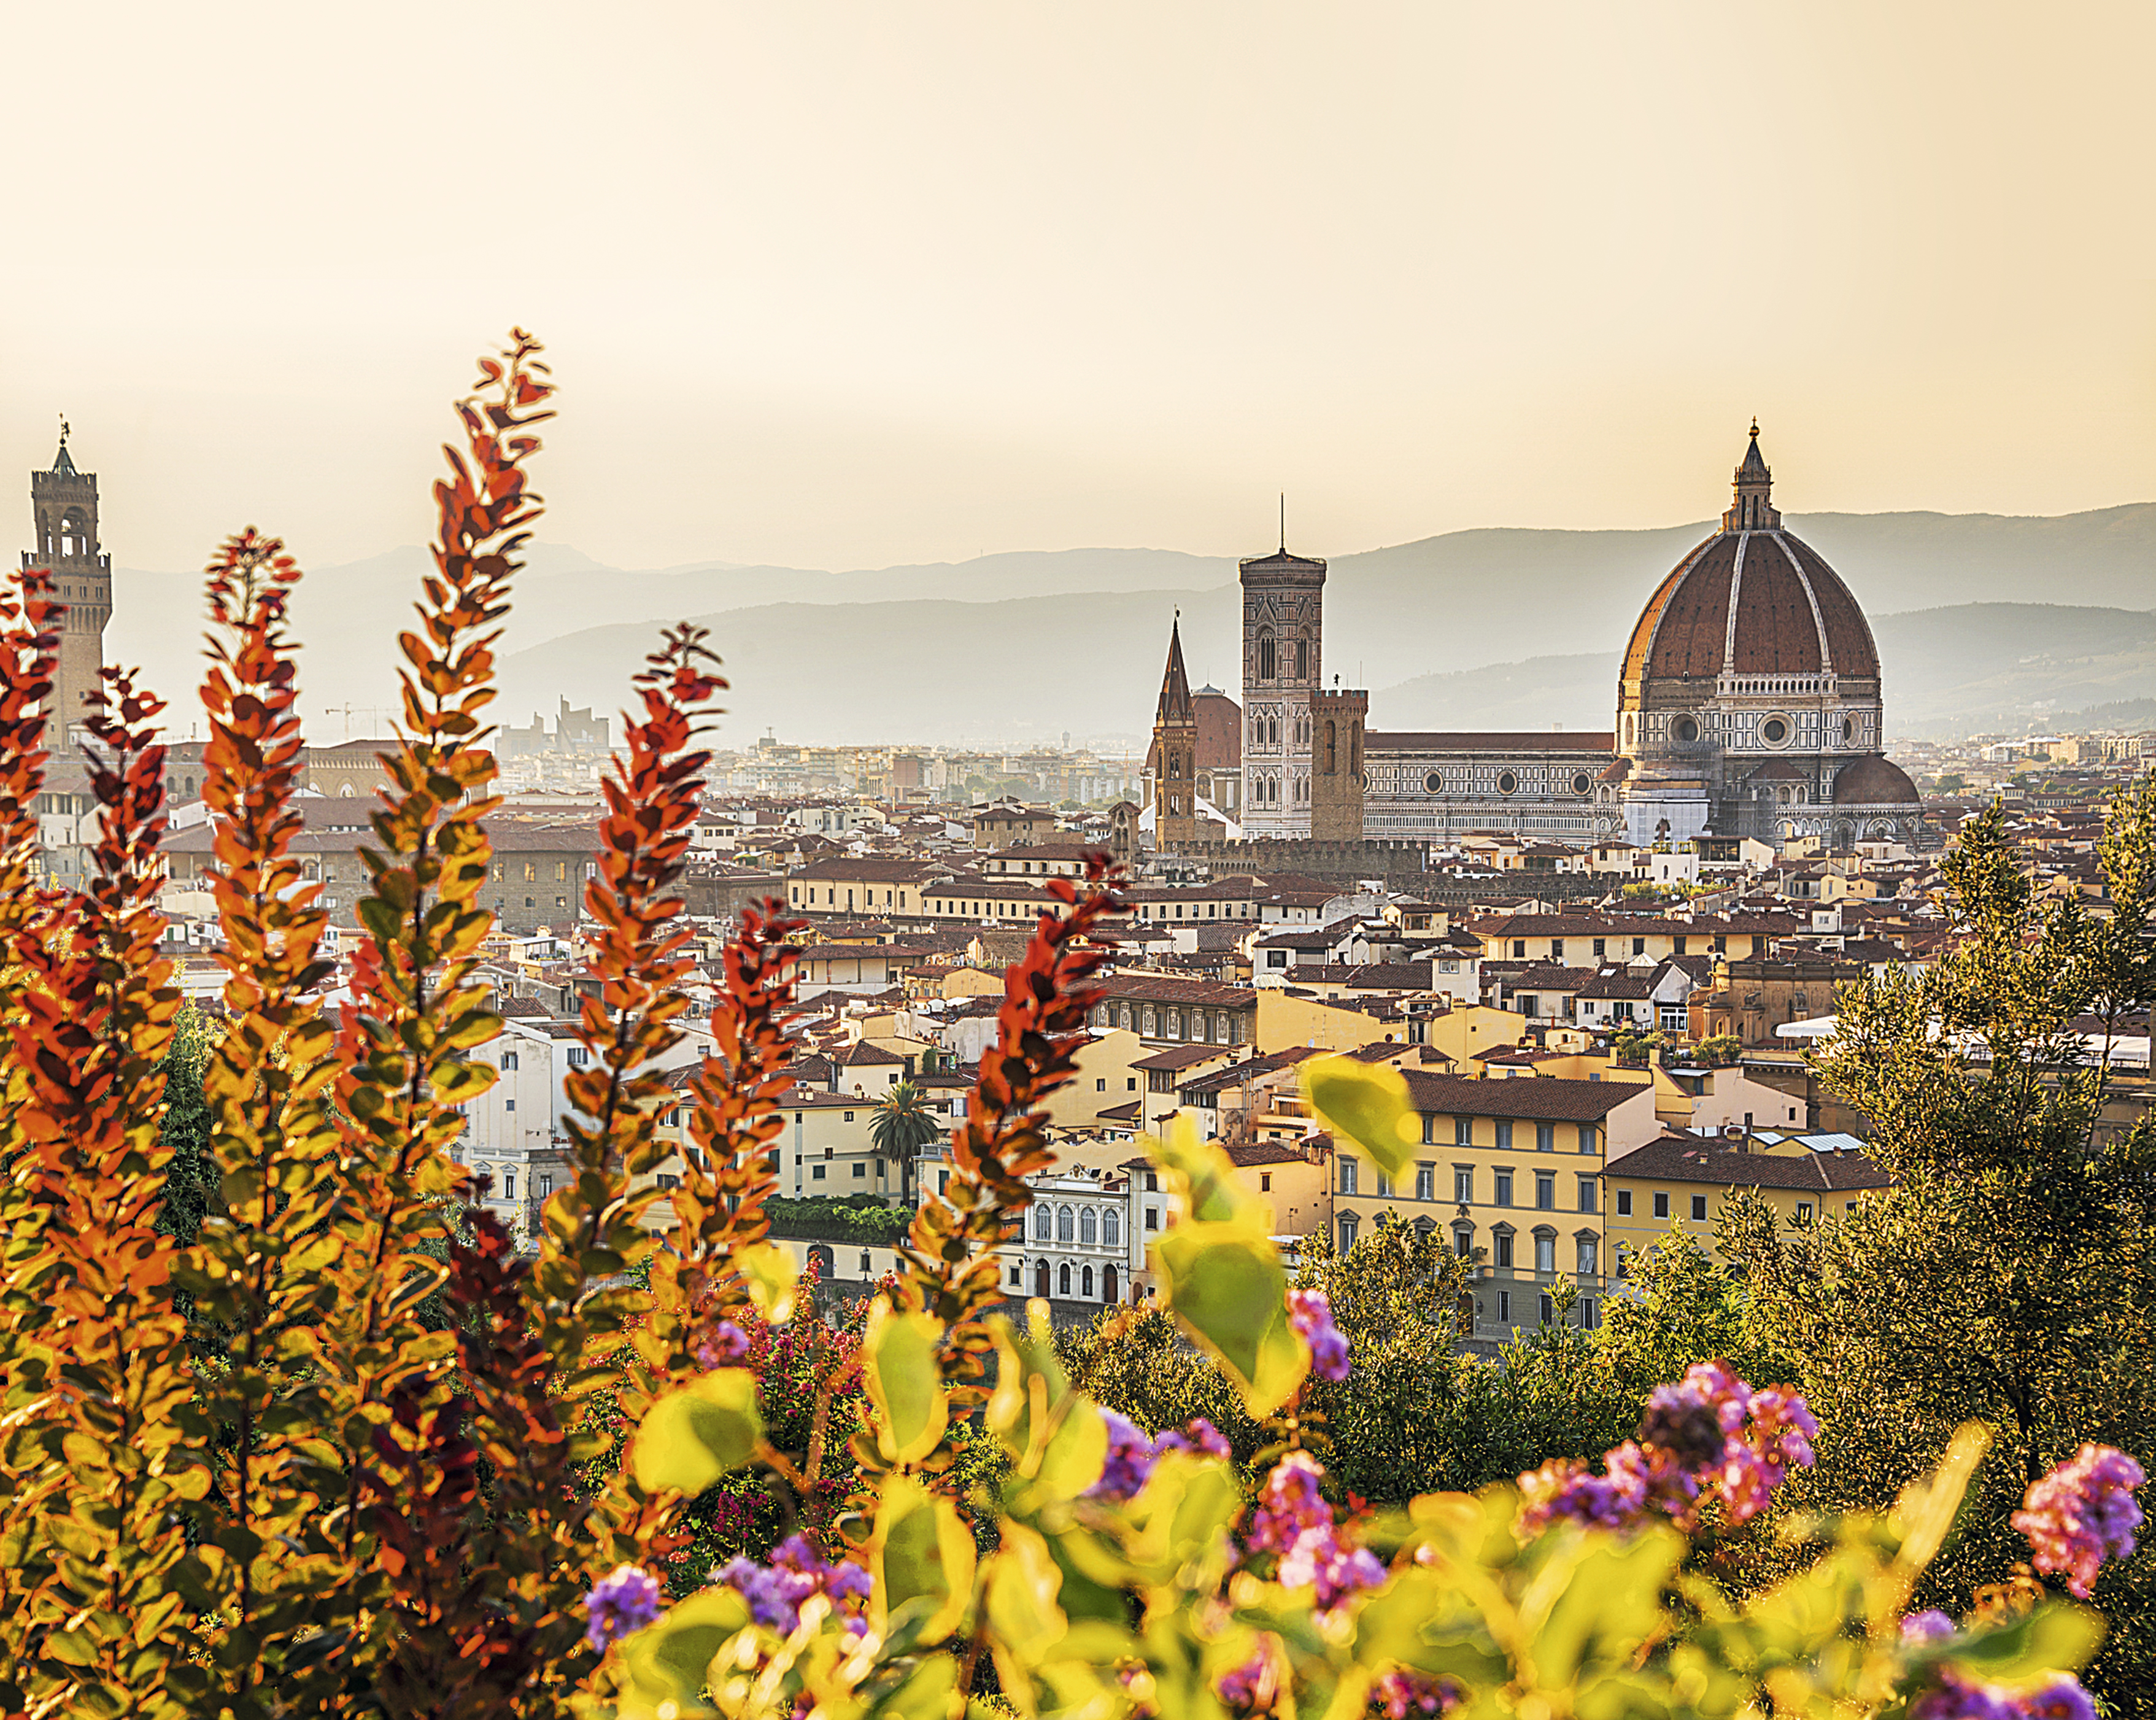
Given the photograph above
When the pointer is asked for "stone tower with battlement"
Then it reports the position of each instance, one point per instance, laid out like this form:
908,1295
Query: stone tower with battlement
64,520
1283,648
1338,774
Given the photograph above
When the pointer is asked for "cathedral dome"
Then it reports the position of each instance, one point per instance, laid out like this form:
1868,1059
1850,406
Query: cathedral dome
1752,600
1874,781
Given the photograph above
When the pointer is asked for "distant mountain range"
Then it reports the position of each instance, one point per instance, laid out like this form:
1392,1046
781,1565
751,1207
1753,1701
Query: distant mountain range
1496,628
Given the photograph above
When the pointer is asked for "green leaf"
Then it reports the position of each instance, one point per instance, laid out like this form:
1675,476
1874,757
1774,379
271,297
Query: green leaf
1225,1283
668,1661
691,1437
1368,1103
900,1371
920,1558
2055,1638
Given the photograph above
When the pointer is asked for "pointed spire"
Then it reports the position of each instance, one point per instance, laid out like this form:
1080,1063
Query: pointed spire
1175,704
1754,509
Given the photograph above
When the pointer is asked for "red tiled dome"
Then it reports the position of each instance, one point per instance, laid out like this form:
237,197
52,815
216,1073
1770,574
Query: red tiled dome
1793,615
1874,781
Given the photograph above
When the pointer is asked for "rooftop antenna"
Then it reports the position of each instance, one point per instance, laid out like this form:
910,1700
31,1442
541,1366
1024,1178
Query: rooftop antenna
1283,548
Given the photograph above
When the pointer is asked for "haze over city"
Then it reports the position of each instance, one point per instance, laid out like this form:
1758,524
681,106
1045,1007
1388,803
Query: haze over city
831,288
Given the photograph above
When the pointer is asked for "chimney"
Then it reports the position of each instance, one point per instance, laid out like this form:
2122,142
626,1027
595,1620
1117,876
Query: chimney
1748,1131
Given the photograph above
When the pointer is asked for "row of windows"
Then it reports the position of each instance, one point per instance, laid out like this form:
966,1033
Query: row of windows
1078,1224
1698,1206
1502,1182
1589,1317
1587,1250
1219,1027
1465,1133
1080,1283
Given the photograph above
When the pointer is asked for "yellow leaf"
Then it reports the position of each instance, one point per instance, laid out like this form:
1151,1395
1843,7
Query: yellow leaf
1368,1104
900,1371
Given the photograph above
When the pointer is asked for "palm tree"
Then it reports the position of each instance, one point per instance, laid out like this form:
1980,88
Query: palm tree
901,1124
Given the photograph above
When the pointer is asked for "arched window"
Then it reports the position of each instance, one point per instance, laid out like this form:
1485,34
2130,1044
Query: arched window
1301,657
1063,1279
1545,1251
1107,1284
1085,1226
1042,1224
1111,1228
1066,1224
1040,1279
1347,1227
1085,1283
1332,747
1267,664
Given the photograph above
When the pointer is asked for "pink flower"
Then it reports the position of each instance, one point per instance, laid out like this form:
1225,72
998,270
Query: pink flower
1289,1505
2081,1513
1129,1460
624,1600
726,1345
1310,1312
1200,1437
1253,1685
1709,1430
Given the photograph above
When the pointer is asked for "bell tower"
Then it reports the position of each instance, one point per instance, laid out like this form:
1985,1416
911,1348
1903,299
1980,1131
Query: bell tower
64,523
1174,754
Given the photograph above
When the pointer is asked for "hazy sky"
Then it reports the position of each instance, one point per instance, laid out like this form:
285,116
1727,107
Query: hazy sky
840,285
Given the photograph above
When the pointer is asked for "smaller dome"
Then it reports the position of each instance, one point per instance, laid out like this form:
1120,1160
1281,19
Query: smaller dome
1779,770
1616,772
1874,781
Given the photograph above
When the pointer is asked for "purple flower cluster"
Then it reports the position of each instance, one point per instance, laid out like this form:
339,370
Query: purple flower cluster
1402,1694
624,1600
1930,1626
1132,1456
1293,1522
2083,1513
1310,1312
725,1346
1955,1698
798,1570
1709,1429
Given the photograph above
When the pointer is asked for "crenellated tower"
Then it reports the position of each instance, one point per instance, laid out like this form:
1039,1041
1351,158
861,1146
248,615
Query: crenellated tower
64,520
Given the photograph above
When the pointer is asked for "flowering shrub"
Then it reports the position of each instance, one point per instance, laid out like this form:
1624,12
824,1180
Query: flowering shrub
2083,1513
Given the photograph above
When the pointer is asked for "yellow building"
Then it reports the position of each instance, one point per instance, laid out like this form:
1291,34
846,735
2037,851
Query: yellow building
1107,1080
1686,1178
1285,1020
1510,1171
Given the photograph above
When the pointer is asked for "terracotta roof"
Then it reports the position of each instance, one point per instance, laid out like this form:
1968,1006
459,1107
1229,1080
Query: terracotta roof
1219,1081
1160,988
1543,1099
1793,615
1874,781
1179,1057
1692,1158
1257,1153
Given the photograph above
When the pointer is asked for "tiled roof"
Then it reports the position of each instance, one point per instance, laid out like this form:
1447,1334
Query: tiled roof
1541,1100
1678,1157
1160,988
1218,1080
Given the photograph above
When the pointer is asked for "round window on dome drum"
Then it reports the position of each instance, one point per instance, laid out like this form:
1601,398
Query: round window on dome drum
1775,730
1583,783
1686,730
1849,728
1434,781
1508,783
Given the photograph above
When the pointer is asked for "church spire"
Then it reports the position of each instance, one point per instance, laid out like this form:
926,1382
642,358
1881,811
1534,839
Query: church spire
1752,509
1175,705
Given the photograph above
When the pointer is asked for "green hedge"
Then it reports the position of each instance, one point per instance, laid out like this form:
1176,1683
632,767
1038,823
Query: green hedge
838,1220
